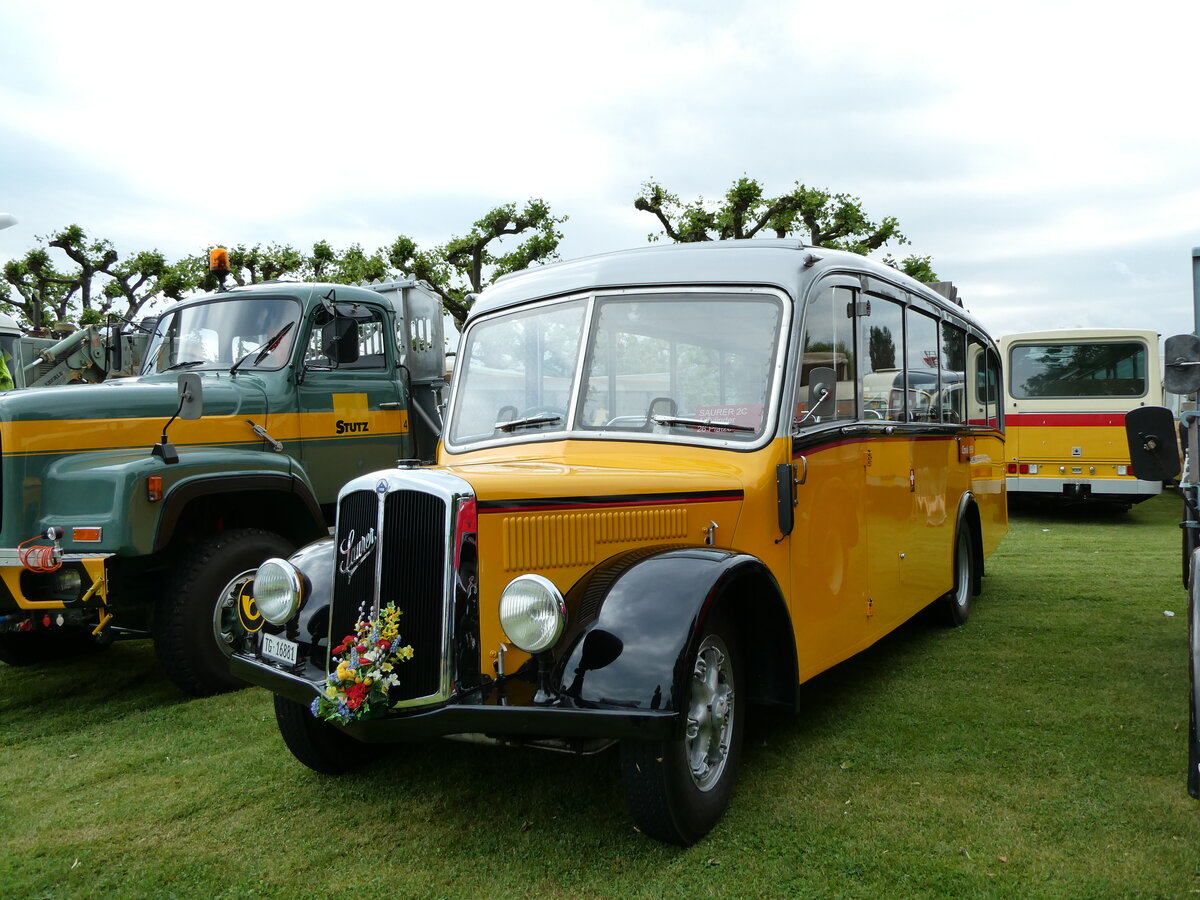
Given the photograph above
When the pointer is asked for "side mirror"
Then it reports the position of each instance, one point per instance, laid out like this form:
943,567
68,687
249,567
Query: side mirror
1153,449
822,391
339,340
191,396
1181,364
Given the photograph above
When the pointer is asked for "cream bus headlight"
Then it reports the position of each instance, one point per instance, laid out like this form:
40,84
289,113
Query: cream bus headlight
532,613
278,589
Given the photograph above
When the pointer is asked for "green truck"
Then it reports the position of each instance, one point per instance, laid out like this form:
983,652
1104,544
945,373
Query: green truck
141,507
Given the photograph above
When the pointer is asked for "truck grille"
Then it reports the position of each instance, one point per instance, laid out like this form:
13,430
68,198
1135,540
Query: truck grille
392,548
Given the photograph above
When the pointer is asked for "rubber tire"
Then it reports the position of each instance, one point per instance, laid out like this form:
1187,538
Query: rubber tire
954,607
185,639
20,649
664,799
317,744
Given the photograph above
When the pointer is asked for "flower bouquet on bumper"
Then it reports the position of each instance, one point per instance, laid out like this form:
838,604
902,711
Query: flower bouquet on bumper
363,669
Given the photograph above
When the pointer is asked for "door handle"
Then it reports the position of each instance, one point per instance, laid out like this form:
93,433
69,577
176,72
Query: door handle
390,404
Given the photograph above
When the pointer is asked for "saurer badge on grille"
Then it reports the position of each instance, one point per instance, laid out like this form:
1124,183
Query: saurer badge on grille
354,552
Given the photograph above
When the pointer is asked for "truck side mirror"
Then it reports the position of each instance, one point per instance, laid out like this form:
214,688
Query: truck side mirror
339,340
1181,364
191,406
191,396
1153,449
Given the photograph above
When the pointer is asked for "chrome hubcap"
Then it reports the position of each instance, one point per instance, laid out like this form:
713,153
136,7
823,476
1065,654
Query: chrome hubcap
710,713
227,627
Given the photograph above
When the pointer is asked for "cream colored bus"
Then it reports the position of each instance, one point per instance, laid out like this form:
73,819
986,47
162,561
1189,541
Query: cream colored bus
1066,393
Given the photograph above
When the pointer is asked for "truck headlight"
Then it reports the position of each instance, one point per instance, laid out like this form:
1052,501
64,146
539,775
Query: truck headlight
278,589
532,612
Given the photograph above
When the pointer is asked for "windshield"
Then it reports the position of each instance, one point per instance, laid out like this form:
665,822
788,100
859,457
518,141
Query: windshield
676,366
219,333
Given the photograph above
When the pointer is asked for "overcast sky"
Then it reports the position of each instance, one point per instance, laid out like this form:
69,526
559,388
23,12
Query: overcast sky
1046,155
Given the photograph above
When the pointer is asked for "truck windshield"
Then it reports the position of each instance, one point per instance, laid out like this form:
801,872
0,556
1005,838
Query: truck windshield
678,366
218,333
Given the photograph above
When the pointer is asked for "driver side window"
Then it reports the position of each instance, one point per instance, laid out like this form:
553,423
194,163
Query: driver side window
825,388
356,341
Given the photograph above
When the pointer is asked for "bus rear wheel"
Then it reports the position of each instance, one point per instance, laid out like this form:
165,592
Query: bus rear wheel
955,606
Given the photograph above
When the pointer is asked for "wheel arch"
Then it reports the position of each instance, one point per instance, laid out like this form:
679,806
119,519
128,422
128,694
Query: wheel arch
275,502
639,617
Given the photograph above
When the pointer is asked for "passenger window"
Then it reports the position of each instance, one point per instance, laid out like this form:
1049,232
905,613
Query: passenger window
881,334
983,373
952,400
922,375
826,360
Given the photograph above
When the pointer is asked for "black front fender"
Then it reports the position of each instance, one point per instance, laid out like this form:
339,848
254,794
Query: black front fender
640,617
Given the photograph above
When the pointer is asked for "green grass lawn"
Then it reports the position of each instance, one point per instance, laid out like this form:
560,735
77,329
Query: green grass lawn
1038,751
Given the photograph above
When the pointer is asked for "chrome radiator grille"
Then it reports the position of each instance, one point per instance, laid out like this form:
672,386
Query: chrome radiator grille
392,548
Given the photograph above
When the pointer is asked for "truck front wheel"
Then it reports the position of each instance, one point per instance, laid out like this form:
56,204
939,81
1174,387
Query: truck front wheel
197,625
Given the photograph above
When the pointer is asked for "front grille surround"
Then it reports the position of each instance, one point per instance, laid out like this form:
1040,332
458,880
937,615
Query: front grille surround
393,537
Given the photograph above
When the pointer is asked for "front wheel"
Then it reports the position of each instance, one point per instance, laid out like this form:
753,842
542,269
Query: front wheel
317,744
199,624
677,790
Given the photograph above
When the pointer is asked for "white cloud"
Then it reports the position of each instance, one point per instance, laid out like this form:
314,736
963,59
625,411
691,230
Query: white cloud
1044,154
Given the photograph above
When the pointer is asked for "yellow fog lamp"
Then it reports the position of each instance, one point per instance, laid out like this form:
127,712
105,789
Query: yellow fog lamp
278,590
532,612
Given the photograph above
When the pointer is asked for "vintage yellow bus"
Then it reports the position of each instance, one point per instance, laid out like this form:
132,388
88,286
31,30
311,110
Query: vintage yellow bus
1066,393
660,498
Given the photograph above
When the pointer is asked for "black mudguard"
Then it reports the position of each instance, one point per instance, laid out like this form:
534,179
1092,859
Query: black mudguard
639,617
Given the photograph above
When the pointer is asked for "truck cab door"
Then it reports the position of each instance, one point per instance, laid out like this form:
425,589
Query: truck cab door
352,410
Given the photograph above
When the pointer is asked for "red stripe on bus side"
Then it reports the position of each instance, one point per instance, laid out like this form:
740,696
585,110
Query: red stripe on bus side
1069,420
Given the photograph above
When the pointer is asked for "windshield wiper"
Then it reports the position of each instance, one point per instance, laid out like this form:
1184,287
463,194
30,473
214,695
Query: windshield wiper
186,364
703,423
264,349
527,422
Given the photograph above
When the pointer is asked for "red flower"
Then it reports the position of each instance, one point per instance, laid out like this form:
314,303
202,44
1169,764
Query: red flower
362,648
382,644
356,694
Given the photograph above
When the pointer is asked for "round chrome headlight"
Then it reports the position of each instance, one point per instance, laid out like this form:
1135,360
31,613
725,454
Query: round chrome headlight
532,612
278,589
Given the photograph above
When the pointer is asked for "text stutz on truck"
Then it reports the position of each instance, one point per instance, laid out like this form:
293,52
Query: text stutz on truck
300,387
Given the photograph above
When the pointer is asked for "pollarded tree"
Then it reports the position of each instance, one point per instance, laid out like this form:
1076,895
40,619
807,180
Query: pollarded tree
97,278
821,218
41,293
465,265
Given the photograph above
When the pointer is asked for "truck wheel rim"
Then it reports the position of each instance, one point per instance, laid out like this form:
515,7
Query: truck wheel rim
227,627
710,713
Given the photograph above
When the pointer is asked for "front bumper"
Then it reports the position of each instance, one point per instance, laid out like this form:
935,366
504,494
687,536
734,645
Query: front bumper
22,589
495,710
